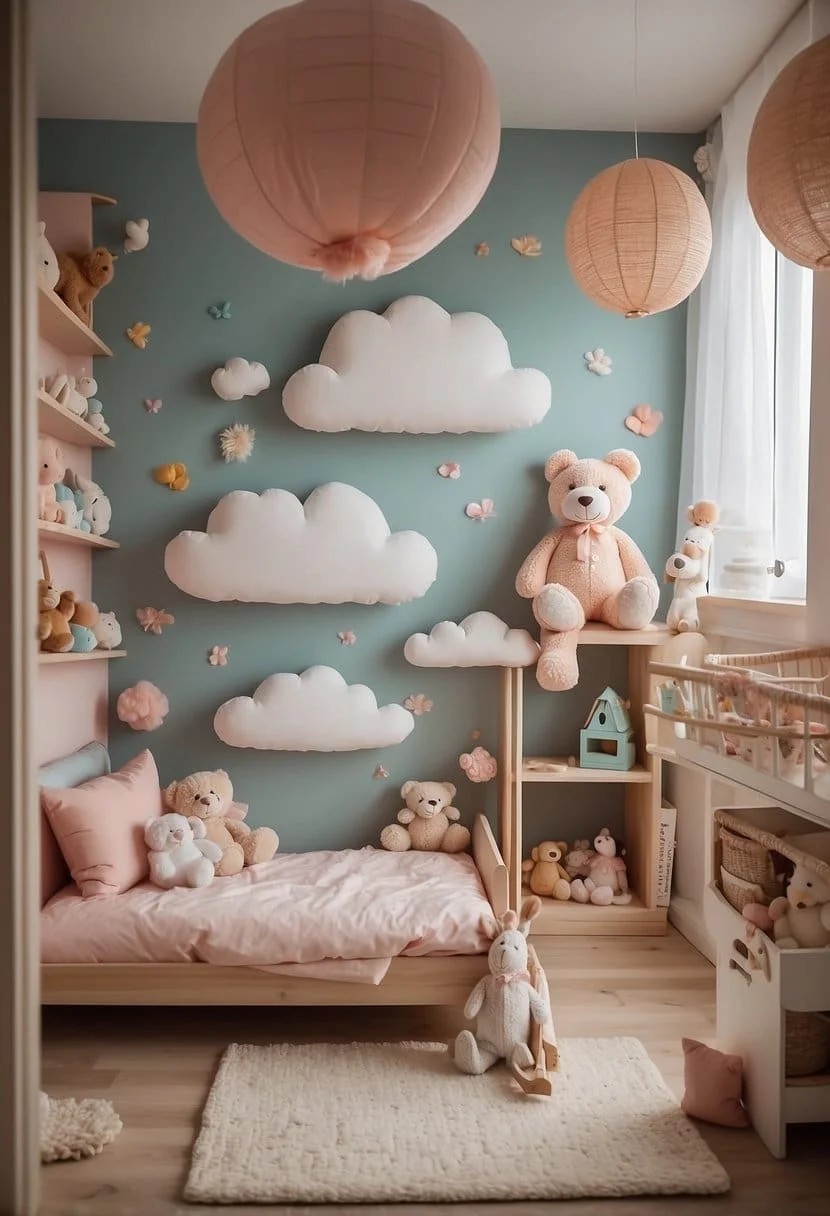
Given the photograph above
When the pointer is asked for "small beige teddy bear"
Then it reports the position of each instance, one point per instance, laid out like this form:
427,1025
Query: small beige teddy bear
209,796
427,822
544,873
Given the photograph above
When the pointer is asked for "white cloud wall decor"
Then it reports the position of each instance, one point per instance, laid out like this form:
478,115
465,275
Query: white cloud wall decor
313,712
239,378
419,370
271,548
481,640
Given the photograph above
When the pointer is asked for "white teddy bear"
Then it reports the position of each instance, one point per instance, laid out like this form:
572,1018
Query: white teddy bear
48,271
802,917
180,856
107,631
504,1002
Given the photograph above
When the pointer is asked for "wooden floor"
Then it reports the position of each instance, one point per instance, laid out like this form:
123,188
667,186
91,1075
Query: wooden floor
157,1065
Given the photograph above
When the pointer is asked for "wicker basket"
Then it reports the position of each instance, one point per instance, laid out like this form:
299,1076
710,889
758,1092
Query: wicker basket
740,893
807,1043
750,862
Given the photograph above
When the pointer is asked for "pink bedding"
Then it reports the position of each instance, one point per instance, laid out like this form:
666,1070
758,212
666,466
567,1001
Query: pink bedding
300,908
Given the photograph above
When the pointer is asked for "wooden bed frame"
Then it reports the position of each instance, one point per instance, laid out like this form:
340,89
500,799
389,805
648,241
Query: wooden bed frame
432,980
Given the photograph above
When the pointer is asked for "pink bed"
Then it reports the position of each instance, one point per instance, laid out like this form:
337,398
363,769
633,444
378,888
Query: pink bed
342,914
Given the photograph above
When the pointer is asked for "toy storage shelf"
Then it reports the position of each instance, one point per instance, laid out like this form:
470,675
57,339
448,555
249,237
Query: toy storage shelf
643,797
59,326
604,776
71,657
72,536
56,420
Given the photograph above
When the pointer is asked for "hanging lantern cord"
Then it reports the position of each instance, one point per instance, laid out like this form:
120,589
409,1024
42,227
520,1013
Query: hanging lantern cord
636,73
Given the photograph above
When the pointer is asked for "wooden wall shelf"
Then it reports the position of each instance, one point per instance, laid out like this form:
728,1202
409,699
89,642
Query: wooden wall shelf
596,634
605,776
48,531
56,420
59,326
71,657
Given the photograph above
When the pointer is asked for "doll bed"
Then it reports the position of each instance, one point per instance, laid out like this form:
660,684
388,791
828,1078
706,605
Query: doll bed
376,928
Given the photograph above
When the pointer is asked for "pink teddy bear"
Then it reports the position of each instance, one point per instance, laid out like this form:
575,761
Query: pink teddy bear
586,570
51,468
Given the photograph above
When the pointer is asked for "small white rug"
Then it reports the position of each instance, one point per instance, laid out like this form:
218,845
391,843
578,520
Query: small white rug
396,1123
71,1129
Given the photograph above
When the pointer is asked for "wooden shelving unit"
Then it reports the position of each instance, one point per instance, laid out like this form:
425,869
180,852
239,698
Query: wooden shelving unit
643,797
72,657
72,536
59,326
56,420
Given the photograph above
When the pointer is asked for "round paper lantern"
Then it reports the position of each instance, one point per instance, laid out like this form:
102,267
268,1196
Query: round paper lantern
348,136
638,237
788,161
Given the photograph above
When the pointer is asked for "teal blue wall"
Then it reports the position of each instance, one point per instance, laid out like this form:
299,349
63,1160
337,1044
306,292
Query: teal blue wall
281,317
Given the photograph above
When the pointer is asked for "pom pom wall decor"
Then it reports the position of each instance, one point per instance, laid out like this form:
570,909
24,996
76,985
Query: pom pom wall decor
416,369
313,712
638,237
478,765
238,379
349,155
236,442
142,707
335,549
481,640
418,703
788,160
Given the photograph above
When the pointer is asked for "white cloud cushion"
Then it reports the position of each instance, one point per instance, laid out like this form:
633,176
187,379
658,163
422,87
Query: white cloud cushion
271,549
239,378
481,640
313,712
416,369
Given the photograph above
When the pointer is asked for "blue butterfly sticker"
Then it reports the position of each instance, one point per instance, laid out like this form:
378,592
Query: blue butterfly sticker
220,312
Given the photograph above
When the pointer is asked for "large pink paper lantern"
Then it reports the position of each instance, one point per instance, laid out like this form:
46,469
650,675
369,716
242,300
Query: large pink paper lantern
348,136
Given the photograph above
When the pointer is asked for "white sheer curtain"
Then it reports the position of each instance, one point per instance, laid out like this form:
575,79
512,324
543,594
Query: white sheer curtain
747,402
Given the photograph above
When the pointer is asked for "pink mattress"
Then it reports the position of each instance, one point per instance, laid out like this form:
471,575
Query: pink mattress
300,908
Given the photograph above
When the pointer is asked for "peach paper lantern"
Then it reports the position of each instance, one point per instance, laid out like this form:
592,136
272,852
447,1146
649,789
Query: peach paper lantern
348,136
638,237
788,161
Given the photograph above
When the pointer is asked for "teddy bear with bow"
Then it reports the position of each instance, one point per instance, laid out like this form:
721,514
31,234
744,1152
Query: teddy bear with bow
587,569
209,796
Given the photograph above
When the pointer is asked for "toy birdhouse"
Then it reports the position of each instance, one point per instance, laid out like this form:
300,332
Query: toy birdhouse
607,738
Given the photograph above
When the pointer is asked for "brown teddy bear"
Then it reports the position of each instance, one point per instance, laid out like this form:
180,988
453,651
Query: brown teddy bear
55,611
544,873
82,275
426,822
209,796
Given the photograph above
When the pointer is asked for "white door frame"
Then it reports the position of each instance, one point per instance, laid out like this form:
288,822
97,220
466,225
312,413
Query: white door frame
19,812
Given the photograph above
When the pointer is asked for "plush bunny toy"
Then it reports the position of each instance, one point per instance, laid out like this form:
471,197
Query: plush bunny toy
179,854
503,1002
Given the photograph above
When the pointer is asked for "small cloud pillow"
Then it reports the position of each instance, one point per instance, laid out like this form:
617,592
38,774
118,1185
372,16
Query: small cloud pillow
481,640
714,1082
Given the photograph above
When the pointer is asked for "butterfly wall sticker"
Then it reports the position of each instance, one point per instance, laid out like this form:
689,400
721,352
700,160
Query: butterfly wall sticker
643,421
220,312
480,510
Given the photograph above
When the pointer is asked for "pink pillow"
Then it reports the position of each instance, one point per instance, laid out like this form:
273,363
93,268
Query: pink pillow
713,1083
100,826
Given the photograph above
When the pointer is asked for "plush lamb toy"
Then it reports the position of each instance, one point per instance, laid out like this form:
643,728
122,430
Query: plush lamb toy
607,880
180,856
802,917
209,796
504,1002
586,570
427,822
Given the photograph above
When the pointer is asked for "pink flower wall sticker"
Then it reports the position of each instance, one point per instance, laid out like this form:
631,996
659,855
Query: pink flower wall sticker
153,620
451,469
418,703
482,249
380,773
347,637
643,421
478,764
218,656
485,509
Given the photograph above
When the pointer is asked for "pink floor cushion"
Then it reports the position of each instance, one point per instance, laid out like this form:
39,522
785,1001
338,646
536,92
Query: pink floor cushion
100,826
713,1082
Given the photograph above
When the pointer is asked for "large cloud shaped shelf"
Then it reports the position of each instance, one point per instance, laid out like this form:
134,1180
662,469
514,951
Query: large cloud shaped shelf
270,548
419,370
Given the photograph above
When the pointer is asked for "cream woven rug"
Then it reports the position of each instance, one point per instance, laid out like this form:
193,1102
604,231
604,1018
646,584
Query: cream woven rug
71,1129
396,1123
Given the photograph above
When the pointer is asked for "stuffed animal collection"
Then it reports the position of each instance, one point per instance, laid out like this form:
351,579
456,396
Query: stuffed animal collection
688,569
209,797
180,854
544,873
51,468
66,623
504,1003
587,569
82,275
801,918
428,821
583,873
